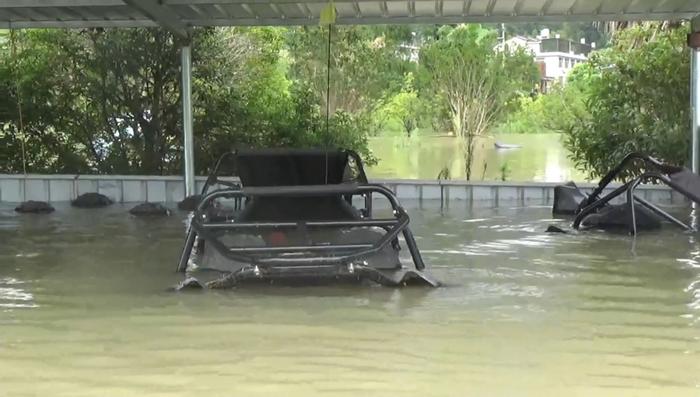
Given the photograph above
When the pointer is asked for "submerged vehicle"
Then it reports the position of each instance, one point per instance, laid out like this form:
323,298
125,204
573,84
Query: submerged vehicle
500,145
297,216
595,210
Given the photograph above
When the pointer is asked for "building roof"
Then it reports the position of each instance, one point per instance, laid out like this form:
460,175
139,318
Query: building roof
179,15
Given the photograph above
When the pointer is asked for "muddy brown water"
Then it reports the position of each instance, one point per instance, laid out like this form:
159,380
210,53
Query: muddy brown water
84,311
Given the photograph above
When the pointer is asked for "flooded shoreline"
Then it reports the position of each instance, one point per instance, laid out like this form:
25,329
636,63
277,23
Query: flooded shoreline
539,158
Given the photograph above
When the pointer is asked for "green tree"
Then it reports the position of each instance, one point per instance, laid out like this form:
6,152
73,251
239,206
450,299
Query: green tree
365,64
477,82
30,77
108,101
556,111
636,100
404,106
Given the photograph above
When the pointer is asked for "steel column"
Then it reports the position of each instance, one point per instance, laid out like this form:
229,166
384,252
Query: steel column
694,45
695,109
188,140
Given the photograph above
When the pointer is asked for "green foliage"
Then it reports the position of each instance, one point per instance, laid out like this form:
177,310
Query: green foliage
505,171
108,101
637,100
305,126
363,64
556,111
444,174
529,118
404,107
477,83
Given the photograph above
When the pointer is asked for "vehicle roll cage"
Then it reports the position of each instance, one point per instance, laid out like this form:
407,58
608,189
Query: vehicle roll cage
298,255
659,173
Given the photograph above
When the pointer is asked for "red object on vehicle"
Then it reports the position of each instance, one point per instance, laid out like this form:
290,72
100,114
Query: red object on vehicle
277,238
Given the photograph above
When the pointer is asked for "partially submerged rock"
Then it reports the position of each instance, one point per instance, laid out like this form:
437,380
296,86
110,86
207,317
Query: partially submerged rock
34,207
150,209
189,203
91,200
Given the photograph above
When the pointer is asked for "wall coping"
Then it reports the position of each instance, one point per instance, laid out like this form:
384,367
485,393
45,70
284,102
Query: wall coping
424,182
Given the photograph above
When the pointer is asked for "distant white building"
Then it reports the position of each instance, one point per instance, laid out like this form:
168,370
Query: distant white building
554,56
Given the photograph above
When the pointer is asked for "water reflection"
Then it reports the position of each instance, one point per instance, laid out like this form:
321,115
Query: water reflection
542,158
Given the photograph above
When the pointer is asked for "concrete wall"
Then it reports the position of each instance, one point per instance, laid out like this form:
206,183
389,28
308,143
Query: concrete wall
135,188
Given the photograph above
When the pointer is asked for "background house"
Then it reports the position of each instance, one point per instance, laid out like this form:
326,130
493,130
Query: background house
555,57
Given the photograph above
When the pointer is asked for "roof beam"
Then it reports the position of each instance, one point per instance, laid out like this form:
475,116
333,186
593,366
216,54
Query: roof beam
384,8
210,2
545,7
489,7
573,7
518,7
307,12
356,8
59,3
101,23
627,6
278,11
466,7
162,15
438,8
179,15
250,11
446,19
221,10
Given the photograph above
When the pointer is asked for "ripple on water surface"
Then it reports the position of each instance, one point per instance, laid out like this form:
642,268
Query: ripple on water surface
83,302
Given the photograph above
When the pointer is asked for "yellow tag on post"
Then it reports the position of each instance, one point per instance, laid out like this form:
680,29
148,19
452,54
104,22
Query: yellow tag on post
328,14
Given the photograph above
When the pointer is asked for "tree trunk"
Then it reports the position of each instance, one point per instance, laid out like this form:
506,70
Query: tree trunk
468,150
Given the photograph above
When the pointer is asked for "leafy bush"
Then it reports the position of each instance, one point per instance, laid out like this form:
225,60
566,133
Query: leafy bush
555,111
529,118
402,108
108,101
637,100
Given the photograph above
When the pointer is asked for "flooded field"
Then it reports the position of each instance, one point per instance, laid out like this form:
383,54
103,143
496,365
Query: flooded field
540,158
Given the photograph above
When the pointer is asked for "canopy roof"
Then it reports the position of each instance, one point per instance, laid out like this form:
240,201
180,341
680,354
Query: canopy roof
179,15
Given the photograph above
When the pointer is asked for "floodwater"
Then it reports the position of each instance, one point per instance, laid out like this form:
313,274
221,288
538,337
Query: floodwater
85,311
541,158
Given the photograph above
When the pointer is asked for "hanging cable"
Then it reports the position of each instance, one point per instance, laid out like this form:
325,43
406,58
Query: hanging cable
327,17
328,97
13,54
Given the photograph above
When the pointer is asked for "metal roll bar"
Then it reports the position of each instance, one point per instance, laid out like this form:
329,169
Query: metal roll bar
332,253
629,189
610,176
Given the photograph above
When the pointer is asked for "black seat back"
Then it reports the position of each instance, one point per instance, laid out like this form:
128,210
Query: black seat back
294,167
291,167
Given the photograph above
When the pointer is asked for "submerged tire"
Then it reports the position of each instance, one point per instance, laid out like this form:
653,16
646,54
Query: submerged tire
91,200
149,209
34,207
